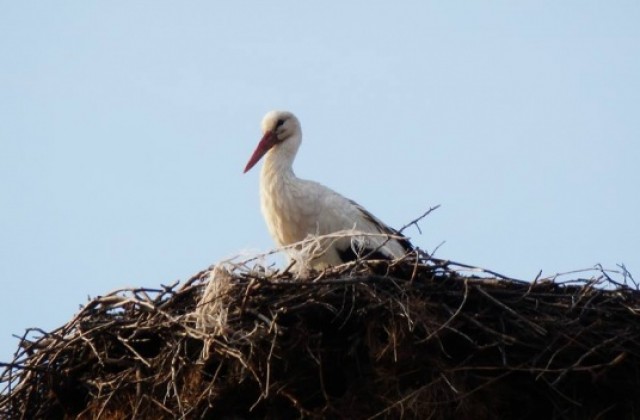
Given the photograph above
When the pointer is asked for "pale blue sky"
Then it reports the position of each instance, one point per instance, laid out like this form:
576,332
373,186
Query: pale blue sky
125,126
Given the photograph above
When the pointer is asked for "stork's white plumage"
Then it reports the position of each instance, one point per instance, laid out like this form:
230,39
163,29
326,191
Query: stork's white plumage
295,208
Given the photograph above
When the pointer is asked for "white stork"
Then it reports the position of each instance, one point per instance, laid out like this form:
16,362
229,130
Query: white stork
296,209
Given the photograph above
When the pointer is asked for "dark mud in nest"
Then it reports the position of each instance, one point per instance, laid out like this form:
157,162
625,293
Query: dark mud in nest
407,339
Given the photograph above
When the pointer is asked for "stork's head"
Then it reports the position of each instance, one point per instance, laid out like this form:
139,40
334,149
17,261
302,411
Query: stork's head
281,130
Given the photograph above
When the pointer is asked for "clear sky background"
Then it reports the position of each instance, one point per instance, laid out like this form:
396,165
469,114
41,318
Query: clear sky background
125,126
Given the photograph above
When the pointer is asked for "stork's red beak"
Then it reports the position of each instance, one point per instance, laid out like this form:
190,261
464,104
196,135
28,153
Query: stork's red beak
268,141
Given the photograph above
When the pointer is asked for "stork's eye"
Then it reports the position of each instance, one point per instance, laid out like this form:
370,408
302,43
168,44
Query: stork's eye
279,123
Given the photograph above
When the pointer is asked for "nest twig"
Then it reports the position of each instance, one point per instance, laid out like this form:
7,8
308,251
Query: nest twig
414,338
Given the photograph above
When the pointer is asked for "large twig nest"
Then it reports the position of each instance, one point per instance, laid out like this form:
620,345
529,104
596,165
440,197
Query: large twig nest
413,338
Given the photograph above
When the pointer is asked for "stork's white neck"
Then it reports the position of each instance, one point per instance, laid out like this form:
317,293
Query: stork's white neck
278,162
279,188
